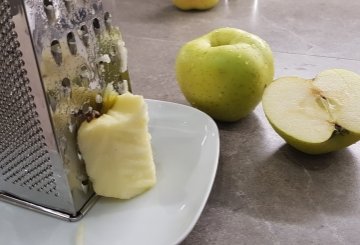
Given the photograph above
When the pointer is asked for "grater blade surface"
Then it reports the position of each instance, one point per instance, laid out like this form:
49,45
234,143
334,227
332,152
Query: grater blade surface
56,58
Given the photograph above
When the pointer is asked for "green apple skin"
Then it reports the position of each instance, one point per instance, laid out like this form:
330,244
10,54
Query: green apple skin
224,73
339,87
195,4
336,142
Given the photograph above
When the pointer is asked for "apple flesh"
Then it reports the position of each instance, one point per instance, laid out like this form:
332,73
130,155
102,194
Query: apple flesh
195,4
224,73
318,115
116,147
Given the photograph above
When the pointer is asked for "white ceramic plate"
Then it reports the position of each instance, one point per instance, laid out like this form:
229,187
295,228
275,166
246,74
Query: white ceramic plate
186,150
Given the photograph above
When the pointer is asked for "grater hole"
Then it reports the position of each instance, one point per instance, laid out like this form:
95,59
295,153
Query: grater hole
85,75
84,28
96,25
66,82
96,7
11,25
69,5
107,19
107,16
84,34
72,43
18,54
48,3
23,72
49,10
101,67
31,98
26,80
66,87
53,102
56,51
14,34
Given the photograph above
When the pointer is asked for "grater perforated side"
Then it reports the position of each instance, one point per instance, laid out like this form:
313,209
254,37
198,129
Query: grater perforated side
56,57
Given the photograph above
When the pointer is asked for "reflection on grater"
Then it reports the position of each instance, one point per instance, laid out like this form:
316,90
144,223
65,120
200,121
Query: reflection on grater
56,58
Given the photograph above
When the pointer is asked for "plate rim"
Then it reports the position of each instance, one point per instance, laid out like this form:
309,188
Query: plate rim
214,172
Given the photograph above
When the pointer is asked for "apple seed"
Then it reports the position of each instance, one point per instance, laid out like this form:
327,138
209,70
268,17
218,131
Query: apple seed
340,130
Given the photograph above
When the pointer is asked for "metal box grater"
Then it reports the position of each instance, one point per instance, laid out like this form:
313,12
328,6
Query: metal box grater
56,57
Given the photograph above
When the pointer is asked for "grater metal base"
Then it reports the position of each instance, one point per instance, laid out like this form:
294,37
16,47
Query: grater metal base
47,211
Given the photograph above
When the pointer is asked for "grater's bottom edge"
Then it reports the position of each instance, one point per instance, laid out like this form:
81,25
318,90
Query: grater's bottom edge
47,211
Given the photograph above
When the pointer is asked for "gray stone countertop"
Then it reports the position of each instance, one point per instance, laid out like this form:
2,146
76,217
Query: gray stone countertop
264,192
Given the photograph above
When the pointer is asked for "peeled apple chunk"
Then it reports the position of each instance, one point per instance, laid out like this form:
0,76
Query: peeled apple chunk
116,147
318,115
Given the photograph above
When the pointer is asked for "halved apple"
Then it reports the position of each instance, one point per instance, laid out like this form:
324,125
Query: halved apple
318,115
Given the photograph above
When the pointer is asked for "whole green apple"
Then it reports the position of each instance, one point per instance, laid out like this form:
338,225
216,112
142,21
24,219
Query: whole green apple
224,73
195,4
317,115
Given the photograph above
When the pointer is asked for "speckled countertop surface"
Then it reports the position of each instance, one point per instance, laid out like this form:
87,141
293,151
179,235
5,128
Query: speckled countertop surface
265,192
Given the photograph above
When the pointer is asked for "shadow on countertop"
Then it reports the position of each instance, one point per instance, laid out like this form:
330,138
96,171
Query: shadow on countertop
271,181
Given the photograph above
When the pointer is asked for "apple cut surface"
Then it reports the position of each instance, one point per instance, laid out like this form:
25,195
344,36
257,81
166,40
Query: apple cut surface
342,90
117,150
315,116
290,105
